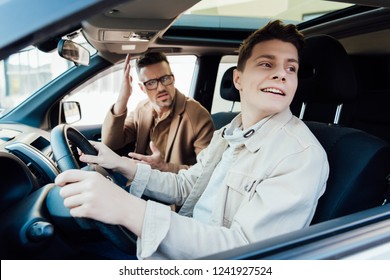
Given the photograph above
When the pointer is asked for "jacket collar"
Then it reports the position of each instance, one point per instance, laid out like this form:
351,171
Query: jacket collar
146,120
177,112
273,124
180,103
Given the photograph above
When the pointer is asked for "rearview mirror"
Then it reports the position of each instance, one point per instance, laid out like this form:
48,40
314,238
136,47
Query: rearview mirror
73,52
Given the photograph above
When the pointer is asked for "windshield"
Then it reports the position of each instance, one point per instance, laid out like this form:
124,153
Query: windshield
28,70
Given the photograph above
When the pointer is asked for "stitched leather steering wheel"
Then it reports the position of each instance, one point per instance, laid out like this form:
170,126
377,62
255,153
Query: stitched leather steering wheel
61,137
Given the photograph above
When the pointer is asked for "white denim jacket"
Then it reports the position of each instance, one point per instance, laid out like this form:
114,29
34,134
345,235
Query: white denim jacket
272,189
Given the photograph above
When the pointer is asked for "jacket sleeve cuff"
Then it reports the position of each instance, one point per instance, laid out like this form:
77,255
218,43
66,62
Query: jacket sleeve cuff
140,180
156,225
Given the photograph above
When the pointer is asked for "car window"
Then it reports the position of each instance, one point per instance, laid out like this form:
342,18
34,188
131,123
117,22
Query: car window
25,72
98,94
219,104
28,70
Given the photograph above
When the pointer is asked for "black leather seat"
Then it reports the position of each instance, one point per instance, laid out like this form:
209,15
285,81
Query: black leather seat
228,92
326,81
359,162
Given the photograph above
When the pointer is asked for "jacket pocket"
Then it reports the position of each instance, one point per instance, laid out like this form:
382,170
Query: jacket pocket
240,189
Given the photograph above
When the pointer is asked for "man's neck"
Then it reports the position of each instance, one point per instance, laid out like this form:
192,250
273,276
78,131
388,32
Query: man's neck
161,111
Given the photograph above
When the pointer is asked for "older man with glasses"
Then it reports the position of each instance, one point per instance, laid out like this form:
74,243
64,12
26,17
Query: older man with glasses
168,129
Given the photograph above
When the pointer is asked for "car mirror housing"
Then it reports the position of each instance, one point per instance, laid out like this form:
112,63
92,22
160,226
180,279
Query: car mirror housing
71,111
73,52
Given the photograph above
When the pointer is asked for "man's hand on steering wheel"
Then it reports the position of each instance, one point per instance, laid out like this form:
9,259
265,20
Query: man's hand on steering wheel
109,159
105,158
62,136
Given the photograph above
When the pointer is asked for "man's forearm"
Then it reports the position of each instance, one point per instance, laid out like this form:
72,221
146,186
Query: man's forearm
127,167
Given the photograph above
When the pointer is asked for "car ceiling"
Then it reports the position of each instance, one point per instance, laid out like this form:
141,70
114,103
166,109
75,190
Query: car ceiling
125,28
132,27
121,30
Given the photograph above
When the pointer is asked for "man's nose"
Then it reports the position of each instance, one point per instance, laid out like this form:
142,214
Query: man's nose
279,74
160,85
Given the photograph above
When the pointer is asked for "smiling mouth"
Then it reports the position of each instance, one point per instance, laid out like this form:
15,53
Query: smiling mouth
273,91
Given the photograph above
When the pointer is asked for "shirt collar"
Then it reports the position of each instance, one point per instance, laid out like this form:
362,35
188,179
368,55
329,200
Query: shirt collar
235,135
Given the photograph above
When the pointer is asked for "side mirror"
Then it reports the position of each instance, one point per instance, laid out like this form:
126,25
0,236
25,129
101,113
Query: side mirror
71,111
73,52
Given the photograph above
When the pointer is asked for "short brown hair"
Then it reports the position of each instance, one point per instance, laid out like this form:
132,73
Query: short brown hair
150,58
273,30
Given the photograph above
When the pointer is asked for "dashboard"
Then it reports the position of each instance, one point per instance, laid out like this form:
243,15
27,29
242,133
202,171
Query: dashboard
26,162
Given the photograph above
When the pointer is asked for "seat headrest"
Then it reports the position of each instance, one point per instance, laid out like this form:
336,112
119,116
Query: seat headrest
228,91
326,74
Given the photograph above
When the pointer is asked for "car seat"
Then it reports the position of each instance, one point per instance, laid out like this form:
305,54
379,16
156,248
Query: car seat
326,81
359,162
370,112
228,92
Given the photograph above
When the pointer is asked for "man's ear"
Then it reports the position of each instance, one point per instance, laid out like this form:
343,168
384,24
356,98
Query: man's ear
142,87
237,79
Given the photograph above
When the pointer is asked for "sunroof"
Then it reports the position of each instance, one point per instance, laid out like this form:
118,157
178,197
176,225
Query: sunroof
226,20
287,10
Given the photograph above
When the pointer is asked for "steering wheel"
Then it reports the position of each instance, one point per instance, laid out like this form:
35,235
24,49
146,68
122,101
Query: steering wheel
61,137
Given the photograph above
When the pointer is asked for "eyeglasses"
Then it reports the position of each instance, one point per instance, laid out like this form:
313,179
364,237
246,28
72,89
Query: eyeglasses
165,80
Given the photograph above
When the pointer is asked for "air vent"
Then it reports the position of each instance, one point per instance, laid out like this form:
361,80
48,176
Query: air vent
39,176
35,170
